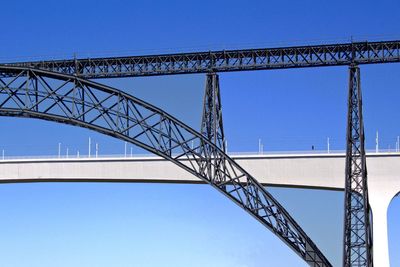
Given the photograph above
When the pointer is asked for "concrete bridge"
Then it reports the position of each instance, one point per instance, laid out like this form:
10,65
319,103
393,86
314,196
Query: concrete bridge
323,171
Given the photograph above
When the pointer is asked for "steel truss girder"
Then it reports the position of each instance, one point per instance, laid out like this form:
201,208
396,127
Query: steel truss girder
357,250
71,100
227,60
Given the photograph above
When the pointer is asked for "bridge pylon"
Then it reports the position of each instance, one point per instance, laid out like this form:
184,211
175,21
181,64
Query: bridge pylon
211,123
357,250
212,127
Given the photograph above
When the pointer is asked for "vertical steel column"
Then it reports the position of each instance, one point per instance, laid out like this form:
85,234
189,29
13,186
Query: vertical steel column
357,249
212,128
211,122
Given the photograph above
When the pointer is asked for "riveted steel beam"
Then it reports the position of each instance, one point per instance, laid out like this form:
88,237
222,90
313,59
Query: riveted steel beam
225,60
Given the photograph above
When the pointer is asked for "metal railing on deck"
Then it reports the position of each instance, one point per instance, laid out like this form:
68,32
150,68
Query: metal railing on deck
232,154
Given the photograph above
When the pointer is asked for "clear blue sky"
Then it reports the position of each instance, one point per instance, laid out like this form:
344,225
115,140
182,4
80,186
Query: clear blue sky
144,225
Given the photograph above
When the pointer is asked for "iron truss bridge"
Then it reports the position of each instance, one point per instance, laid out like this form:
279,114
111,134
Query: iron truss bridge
222,61
33,93
60,91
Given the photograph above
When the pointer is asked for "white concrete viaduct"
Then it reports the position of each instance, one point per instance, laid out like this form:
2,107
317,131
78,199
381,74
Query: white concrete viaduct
324,171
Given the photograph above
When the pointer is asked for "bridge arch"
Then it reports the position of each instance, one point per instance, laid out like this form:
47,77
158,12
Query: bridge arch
393,220
34,93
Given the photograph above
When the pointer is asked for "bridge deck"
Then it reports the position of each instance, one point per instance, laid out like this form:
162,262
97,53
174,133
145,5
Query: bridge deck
296,170
226,60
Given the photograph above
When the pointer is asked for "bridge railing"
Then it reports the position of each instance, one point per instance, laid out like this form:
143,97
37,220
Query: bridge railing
233,154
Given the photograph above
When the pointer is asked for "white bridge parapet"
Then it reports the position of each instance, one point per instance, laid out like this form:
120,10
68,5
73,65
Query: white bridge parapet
324,171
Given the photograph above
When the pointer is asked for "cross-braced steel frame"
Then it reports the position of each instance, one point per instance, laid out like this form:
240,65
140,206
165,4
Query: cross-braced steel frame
358,226
34,93
357,250
226,60
212,126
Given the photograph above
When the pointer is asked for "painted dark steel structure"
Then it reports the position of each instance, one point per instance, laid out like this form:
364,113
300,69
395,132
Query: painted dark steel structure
121,115
222,61
357,249
33,93
212,126
211,122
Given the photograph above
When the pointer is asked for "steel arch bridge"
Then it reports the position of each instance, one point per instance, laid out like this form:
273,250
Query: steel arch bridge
33,93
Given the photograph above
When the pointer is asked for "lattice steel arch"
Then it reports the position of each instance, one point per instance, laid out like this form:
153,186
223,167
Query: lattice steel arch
33,93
